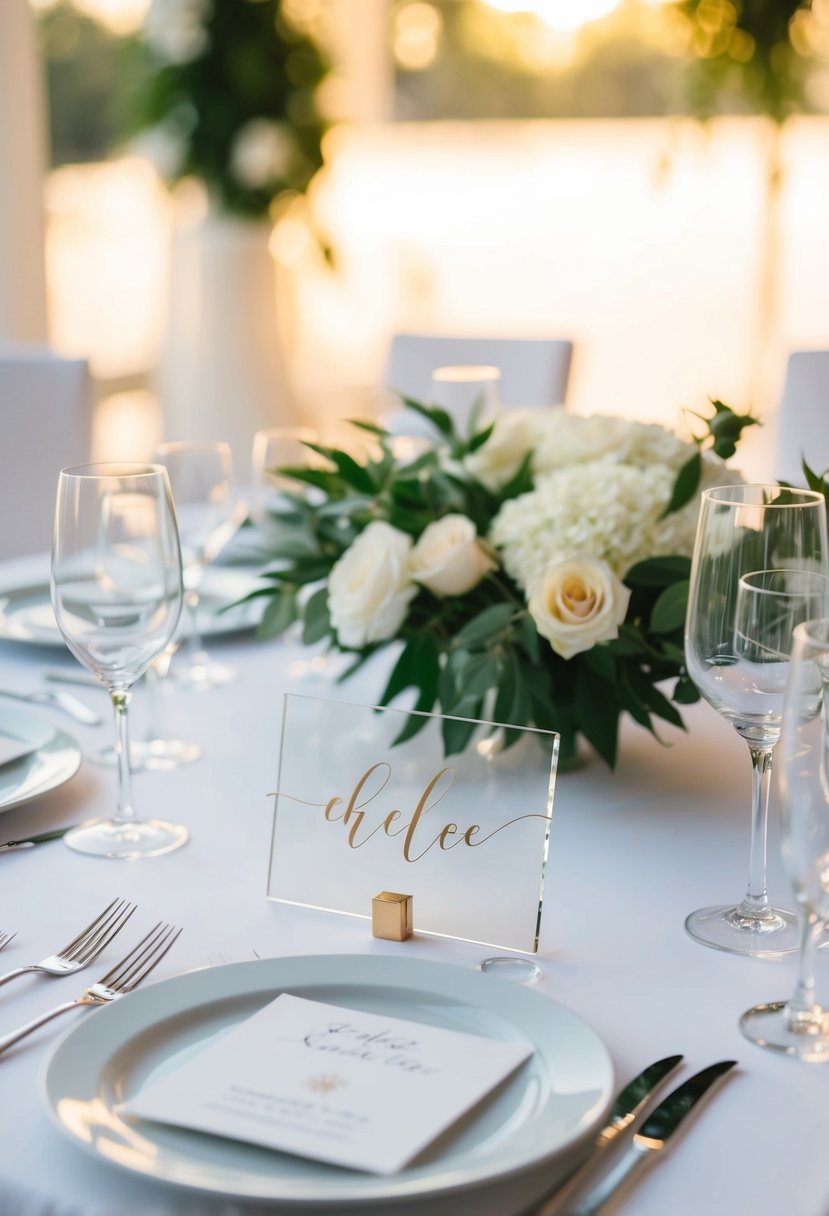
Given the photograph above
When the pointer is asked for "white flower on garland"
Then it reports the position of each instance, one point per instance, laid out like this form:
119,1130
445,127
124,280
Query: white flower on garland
370,587
601,507
175,29
263,152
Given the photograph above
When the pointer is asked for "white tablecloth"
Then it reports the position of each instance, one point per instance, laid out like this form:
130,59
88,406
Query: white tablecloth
632,853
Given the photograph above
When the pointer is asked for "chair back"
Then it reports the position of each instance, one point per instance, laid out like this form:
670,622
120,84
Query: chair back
45,425
802,425
534,371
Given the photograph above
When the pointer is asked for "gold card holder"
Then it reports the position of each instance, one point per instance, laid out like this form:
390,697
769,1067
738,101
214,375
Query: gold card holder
391,916
367,799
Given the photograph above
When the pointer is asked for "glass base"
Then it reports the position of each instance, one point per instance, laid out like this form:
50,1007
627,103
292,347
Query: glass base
769,1026
155,755
126,841
769,935
203,673
521,970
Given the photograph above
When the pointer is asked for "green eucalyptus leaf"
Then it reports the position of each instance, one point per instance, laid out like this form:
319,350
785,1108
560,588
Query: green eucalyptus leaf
316,618
686,485
669,610
481,628
279,615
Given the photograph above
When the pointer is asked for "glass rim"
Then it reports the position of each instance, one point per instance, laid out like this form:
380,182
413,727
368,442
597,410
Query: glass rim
119,470
814,576
466,373
200,446
730,495
805,633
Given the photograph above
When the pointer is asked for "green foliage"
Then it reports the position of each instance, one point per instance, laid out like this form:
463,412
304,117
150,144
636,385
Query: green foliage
749,52
480,654
722,434
253,66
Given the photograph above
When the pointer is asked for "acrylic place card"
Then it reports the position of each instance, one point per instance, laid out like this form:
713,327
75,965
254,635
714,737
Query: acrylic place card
339,1085
370,800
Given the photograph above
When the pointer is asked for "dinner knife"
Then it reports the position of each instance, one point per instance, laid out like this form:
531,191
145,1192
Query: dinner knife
31,841
652,1137
624,1110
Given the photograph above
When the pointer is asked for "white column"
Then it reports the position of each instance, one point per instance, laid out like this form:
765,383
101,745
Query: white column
22,167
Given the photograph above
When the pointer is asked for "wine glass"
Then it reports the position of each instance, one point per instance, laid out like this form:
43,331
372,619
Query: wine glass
275,448
800,1027
470,394
744,530
201,477
117,596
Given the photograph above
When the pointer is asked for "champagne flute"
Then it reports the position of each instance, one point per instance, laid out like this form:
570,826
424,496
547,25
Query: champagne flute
201,477
800,1027
744,530
117,596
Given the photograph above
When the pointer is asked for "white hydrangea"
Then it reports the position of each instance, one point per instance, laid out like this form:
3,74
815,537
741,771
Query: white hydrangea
563,439
602,507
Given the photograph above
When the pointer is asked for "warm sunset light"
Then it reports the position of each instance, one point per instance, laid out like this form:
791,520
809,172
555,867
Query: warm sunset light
559,14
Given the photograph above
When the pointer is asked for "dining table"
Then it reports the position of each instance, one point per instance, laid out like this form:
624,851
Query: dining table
632,852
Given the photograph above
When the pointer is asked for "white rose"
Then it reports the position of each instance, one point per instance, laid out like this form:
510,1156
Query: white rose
449,558
370,588
576,603
500,457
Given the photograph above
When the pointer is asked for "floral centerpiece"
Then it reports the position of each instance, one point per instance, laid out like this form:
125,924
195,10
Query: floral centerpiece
535,570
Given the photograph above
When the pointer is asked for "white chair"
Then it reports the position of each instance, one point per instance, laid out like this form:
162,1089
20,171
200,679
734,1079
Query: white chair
534,371
802,424
45,425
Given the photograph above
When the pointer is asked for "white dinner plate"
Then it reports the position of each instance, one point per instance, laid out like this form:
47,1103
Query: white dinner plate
543,1111
26,612
54,758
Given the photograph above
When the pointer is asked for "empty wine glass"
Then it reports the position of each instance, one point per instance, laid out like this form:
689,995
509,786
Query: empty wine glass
117,596
469,394
799,1026
751,530
201,477
273,449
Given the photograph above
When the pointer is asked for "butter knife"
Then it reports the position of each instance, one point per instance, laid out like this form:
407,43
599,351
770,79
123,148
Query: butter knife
622,1113
652,1137
31,841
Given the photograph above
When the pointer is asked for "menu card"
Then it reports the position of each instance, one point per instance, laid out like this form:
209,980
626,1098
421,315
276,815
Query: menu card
339,1085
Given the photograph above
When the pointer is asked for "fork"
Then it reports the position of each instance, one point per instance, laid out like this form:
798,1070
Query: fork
122,979
84,948
5,938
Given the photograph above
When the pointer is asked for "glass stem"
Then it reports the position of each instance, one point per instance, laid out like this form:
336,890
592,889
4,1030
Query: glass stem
801,1009
195,644
125,812
756,901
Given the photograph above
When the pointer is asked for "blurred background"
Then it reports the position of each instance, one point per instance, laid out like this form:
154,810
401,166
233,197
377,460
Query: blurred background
229,206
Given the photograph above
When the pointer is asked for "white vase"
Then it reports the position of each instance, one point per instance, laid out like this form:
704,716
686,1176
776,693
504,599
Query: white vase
221,374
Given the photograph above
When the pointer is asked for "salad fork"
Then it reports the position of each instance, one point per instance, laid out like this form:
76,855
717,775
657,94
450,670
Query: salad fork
123,978
84,948
5,938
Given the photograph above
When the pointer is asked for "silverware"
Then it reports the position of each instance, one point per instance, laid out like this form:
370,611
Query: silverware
59,700
653,1136
84,948
31,841
123,978
5,938
622,1114
69,676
